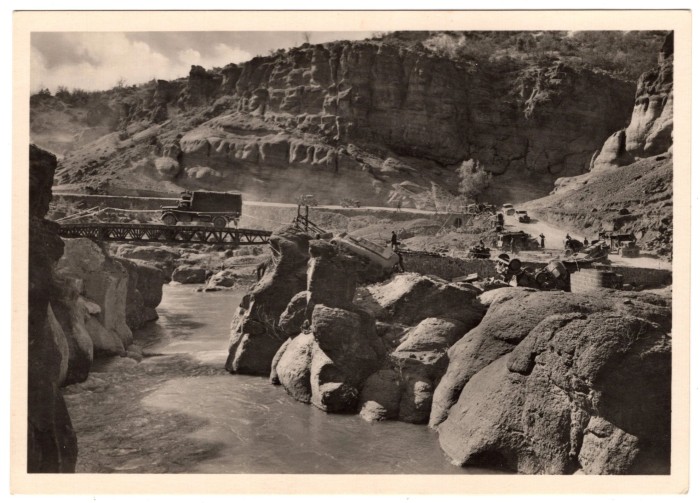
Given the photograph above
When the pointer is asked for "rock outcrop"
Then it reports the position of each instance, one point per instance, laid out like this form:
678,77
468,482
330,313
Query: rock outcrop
255,334
103,282
333,346
420,318
51,441
571,383
650,129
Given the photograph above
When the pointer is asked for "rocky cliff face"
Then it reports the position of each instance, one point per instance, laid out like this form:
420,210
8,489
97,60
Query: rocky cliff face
82,304
362,117
650,129
51,442
629,188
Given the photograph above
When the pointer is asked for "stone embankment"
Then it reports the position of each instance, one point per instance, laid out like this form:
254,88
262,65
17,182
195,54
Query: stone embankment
524,380
82,304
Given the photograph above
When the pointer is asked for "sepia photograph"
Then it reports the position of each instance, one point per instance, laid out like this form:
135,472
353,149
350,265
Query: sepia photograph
340,243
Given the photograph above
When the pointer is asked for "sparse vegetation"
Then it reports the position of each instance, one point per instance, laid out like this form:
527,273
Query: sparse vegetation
626,54
473,180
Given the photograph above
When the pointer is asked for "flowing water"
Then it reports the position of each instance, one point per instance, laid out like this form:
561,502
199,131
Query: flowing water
259,427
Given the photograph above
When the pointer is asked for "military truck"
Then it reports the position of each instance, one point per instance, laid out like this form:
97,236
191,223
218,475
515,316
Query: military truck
200,206
516,240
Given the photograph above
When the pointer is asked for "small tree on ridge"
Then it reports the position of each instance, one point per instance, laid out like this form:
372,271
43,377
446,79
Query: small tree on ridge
473,180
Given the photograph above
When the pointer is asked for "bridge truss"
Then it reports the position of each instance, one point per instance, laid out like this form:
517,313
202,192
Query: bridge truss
109,231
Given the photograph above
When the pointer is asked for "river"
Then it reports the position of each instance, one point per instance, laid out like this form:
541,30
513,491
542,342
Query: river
245,424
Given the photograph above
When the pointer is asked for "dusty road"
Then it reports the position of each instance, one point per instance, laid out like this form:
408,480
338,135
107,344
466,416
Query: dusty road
555,237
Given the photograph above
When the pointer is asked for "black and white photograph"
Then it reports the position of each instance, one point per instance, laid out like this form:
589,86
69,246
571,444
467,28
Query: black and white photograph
375,248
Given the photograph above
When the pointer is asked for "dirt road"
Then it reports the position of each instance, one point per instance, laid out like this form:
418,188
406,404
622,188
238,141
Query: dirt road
555,237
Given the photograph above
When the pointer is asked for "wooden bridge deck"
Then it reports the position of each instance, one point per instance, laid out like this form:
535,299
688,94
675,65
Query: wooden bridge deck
108,231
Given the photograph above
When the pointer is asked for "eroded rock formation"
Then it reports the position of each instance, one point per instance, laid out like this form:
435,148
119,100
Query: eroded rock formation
573,382
650,129
378,115
51,442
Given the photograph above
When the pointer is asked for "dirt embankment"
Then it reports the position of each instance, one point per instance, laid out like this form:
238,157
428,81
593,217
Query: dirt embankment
637,198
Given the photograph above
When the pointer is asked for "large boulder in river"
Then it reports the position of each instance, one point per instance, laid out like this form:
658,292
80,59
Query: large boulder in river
144,292
189,274
162,257
349,339
585,388
417,365
255,334
293,368
328,363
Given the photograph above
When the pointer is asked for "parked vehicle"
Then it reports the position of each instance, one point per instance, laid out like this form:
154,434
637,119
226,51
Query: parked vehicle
508,209
218,208
523,217
624,244
479,251
349,203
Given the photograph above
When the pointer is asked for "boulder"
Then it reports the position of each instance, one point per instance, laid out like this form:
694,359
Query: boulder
295,314
349,340
381,396
425,346
550,405
294,367
512,313
255,334
161,257
189,274
416,397
331,277
409,298
226,279
144,292
329,389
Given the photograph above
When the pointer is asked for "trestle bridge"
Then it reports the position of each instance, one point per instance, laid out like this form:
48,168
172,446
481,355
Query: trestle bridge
131,232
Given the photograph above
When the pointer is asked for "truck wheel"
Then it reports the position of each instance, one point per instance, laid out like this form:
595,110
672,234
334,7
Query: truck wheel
219,222
169,219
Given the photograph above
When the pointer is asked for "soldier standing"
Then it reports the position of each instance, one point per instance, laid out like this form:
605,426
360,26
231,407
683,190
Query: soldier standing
394,240
541,240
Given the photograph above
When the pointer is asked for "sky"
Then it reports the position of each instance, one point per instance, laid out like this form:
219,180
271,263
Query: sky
98,60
